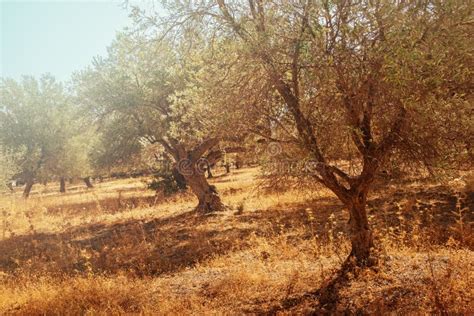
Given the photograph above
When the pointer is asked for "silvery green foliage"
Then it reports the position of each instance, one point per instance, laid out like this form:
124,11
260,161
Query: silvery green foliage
7,168
40,127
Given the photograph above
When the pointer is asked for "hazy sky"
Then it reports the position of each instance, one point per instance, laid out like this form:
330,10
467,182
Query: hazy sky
58,37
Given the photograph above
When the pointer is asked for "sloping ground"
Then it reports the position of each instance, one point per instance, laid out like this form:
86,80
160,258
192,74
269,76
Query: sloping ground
269,258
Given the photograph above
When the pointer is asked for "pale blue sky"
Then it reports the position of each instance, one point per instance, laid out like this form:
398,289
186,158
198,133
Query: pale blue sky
56,37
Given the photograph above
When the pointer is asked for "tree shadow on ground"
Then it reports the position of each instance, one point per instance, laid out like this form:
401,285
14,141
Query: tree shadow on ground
107,205
141,248
173,243
436,207
144,247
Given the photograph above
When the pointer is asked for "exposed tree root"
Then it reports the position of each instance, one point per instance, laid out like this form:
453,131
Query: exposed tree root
210,202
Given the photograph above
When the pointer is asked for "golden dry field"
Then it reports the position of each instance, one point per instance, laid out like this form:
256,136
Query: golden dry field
120,249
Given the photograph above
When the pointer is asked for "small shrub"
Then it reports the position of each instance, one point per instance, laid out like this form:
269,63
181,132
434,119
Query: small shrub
167,181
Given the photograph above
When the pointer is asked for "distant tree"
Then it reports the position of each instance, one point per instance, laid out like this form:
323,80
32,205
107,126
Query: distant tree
37,125
74,159
8,168
365,81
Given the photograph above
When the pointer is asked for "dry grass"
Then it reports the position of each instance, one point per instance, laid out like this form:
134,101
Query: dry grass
101,252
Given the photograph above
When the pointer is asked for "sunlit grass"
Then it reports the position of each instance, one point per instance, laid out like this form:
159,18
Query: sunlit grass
266,249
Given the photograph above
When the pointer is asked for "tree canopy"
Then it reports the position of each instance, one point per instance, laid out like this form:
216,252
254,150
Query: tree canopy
39,125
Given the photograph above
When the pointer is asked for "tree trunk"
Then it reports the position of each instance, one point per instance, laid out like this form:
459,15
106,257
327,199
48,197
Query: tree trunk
361,236
179,179
191,165
209,200
238,162
10,186
87,181
28,186
62,185
227,168
209,171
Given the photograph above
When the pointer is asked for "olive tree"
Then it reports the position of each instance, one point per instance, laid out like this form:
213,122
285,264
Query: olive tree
135,95
8,169
36,126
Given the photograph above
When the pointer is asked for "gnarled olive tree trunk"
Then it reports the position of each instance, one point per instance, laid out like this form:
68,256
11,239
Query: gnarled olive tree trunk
209,200
361,236
179,179
192,165
209,172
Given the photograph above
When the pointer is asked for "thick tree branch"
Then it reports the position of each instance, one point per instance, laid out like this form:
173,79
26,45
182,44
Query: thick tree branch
387,143
214,156
168,148
181,152
199,151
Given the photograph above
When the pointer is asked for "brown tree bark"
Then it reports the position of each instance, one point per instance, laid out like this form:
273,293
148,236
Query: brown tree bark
62,185
192,166
361,236
211,160
209,171
179,179
209,200
28,187
87,181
